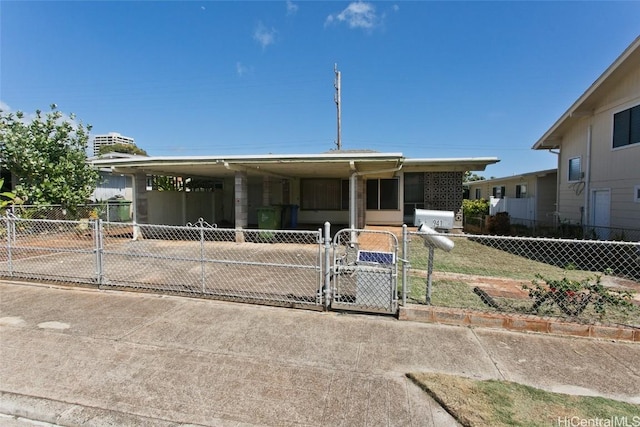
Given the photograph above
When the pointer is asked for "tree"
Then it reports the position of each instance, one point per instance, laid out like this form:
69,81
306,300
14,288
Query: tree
47,155
470,177
7,198
122,148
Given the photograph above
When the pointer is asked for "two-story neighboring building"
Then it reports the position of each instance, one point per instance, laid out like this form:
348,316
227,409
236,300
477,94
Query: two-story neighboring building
528,197
598,139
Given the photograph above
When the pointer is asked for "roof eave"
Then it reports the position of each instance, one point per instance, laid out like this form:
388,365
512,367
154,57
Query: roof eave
551,139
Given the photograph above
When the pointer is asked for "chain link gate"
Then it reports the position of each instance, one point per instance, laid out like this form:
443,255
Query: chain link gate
365,271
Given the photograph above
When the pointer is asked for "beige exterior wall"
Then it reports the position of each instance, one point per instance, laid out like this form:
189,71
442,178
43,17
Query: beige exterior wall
510,184
571,193
606,168
540,188
181,207
546,198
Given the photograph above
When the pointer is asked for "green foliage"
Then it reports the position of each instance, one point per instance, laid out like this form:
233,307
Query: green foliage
165,183
122,148
7,198
47,155
573,296
475,208
469,177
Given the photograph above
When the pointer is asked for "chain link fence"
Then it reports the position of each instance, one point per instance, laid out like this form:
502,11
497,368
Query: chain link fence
581,280
276,266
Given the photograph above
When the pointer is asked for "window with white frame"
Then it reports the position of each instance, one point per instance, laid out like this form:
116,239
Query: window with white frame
521,191
499,192
575,169
626,127
478,193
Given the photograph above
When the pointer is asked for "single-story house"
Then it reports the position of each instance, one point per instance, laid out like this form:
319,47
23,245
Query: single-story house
342,187
526,197
598,145
112,185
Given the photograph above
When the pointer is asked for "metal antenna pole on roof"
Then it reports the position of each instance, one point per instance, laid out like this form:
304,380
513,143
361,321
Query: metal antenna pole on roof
337,100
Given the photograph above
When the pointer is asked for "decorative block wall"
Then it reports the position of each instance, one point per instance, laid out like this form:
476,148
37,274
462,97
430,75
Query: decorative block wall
443,191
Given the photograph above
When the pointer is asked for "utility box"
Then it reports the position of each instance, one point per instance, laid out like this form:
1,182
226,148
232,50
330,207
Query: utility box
438,220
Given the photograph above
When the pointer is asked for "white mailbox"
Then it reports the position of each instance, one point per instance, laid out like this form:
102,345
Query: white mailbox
438,220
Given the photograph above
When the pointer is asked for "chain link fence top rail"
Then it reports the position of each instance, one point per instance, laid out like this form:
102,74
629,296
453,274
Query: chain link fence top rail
583,280
115,210
546,228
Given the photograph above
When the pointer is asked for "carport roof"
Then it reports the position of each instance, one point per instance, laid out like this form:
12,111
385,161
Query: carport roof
328,165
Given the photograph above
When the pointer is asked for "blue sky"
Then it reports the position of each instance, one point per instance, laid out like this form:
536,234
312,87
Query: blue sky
428,79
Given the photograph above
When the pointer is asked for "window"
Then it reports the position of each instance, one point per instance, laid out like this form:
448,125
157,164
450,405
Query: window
382,194
521,191
345,195
499,192
320,194
414,187
626,127
636,194
575,170
413,193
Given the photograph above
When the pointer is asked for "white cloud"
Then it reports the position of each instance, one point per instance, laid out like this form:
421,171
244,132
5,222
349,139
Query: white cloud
241,69
292,8
265,36
358,14
5,107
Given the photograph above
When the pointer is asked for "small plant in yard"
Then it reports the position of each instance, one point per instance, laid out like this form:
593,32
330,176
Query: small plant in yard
572,296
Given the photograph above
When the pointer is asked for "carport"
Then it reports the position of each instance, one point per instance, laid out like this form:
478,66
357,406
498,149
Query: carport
326,187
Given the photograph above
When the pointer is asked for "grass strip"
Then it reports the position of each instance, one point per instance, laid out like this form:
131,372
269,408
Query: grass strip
502,403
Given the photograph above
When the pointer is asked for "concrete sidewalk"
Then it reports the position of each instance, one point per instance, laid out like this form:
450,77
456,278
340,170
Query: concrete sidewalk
72,356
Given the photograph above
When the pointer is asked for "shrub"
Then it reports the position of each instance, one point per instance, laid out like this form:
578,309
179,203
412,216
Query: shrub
475,208
572,296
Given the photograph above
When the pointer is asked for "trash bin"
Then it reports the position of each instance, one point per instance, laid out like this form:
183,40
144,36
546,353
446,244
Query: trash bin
289,216
119,210
285,215
269,218
294,216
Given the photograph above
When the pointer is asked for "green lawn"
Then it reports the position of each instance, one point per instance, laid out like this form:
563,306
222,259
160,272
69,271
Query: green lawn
469,257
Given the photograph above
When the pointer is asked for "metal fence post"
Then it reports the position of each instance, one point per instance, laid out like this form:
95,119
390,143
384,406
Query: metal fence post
327,264
202,264
11,228
429,274
405,262
99,242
